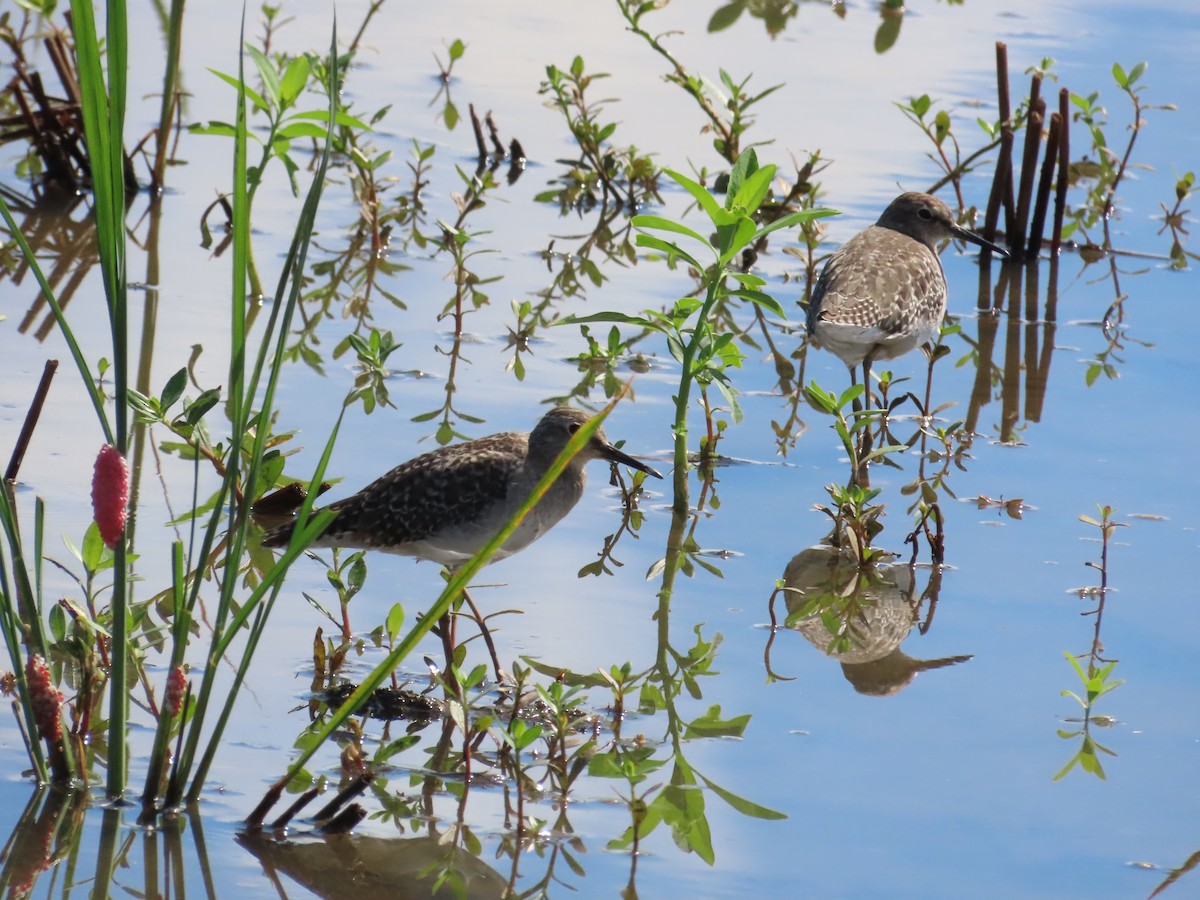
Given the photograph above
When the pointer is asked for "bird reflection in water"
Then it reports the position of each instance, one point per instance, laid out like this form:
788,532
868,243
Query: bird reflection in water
859,615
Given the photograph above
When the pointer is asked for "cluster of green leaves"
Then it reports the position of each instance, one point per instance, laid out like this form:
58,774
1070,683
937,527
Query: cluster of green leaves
449,114
705,354
774,16
102,105
1104,173
1174,219
603,174
285,79
1096,681
727,106
679,803
850,421
370,385
938,126
603,359
1096,673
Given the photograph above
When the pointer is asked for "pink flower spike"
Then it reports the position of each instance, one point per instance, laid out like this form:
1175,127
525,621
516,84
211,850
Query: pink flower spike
110,494
44,698
176,686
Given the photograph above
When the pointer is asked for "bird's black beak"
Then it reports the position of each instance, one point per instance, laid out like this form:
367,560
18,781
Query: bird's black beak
612,454
971,236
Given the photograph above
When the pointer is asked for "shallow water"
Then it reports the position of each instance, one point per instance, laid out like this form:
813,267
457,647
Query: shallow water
944,786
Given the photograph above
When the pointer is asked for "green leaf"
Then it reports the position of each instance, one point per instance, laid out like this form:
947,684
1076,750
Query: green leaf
850,395
523,734
725,16
174,389
58,623
220,129
824,400
747,280
796,218
293,130
745,166
80,614
341,118
146,408
699,193
268,73
606,765
184,451
393,748
682,807
93,549
733,240
294,80
766,301
941,126
672,251
658,223
754,190
570,679
197,408
622,318
252,95
741,804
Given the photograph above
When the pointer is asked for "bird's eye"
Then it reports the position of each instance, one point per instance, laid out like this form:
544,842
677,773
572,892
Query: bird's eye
924,213
573,427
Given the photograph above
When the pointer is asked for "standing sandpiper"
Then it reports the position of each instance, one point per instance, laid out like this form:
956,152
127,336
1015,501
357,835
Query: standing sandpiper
446,504
884,291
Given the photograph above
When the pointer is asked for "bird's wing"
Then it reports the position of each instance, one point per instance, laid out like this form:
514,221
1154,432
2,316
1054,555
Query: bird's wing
418,498
869,283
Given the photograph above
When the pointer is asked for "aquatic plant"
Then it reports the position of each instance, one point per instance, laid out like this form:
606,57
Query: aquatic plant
1096,676
108,643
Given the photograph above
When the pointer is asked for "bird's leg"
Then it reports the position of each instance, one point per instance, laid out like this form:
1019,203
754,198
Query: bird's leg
928,351
446,633
867,362
864,449
487,636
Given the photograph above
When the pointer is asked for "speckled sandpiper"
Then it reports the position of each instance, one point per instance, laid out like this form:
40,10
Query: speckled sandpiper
884,292
446,504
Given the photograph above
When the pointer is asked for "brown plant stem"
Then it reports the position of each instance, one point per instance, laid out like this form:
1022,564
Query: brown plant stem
1038,223
1064,162
31,420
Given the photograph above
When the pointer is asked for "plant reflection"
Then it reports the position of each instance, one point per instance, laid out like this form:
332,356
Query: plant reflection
51,835
1027,352
67,244
1094,670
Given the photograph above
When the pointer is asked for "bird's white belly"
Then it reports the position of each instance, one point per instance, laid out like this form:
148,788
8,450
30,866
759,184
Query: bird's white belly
459,543
852,343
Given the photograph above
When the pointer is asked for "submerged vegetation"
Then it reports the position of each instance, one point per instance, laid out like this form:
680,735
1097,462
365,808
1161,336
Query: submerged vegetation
132,681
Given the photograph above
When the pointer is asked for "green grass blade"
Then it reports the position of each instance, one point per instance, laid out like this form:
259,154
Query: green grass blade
454,588
273,347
